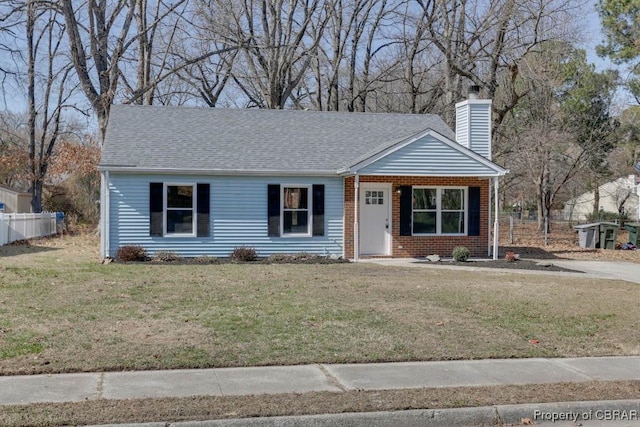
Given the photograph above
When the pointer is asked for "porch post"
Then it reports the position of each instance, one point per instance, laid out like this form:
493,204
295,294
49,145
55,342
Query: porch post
356,246
495,221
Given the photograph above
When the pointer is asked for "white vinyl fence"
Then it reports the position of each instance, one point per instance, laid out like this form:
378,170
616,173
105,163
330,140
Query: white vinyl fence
23,226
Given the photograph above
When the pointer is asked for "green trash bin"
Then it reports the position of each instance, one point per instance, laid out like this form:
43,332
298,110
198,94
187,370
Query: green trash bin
633,228
608,235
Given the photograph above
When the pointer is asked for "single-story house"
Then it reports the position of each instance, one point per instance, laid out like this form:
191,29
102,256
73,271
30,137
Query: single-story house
622,193
202,181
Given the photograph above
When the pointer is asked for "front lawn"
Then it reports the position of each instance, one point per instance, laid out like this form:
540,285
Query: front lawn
62,311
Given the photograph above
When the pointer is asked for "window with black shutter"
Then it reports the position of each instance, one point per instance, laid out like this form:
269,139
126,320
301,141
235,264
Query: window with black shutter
179,209
295,210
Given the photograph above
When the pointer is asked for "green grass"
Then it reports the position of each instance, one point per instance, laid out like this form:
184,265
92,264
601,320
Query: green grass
62,311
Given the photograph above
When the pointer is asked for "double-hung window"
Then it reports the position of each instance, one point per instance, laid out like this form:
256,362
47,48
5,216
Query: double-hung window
296,213
452,210
295,210
425,210
180,209
439,210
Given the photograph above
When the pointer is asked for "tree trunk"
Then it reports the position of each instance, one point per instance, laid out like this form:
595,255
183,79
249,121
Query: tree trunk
36,196
596,200
34,167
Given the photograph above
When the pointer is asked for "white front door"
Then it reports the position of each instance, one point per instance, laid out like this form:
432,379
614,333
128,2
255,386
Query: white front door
375,219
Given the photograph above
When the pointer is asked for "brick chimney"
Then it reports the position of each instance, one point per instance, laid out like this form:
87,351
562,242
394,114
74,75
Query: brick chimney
473,123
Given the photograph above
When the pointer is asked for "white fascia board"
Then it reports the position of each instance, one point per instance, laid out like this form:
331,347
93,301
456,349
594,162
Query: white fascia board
474,101
500,171
456,175
223,172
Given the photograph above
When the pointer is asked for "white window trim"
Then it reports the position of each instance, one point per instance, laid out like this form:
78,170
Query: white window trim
193,207
439,210
309,188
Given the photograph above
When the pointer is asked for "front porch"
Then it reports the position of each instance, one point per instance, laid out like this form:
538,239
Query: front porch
390,223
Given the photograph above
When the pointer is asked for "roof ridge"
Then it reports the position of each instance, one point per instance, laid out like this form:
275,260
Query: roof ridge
275,111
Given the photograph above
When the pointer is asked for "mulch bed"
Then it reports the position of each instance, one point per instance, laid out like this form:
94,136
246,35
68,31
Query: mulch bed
227,260
515,265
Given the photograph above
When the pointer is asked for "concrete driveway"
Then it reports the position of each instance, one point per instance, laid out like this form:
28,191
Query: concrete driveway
616,270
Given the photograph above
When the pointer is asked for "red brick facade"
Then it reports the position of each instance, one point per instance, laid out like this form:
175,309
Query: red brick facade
420,246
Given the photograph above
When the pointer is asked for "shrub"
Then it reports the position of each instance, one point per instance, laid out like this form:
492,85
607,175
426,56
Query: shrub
244,254
204,259
511,257
460,253
167,256
607,216
129,253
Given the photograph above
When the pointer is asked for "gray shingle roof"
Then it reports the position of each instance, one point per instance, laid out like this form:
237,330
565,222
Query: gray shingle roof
152,137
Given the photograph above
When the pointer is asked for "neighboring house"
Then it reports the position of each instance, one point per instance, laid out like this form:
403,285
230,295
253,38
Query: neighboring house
615,195
202,181
14,201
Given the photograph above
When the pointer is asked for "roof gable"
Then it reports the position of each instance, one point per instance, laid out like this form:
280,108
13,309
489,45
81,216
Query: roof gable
427,154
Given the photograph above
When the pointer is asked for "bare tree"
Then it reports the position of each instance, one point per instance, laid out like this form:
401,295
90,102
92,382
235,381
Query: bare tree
277,47
11,50
203,81
549,150
484,45
98,36
44,35
102,33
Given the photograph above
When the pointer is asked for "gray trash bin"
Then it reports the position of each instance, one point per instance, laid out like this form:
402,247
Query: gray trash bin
588,235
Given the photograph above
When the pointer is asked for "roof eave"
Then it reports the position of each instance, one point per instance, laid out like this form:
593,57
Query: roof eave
500,173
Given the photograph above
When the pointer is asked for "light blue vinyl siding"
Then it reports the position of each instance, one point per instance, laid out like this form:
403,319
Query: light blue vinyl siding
480,129
238,216
427,156
462,125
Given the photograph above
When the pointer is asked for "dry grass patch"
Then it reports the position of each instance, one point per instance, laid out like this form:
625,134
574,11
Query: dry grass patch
62,311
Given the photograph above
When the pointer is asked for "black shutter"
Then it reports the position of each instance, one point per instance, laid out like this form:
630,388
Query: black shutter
406,202
318,210
273,209
203,201
474,211
155,208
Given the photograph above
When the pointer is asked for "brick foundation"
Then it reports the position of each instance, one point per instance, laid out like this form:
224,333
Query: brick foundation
420,246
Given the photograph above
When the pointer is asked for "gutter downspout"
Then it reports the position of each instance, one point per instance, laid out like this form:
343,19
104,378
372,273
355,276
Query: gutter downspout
495,221
104,216
356,246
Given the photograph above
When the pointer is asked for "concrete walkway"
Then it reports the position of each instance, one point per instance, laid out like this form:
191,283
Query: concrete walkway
325,377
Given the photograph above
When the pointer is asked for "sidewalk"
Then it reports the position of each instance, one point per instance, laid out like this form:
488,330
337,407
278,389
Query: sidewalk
323,377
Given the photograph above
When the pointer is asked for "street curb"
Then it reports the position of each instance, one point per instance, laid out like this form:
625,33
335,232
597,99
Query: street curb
458,417
584,411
